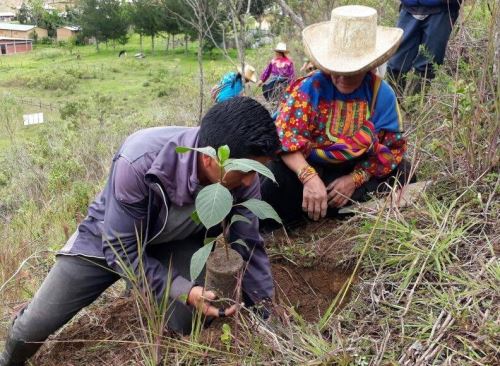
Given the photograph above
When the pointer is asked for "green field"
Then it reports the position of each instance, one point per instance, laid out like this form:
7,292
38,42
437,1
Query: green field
158,86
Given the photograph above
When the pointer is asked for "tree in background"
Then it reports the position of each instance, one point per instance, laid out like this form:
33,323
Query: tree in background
51,21
33,12
23,15
195,16
172,26
104,20
147,18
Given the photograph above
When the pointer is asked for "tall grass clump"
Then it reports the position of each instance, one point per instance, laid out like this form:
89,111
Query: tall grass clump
49,54
51,80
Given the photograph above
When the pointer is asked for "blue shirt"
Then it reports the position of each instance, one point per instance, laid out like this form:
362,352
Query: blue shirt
321,92
230,87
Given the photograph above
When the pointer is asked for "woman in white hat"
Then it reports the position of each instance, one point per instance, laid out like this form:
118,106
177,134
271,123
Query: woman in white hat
340,127
278,73
231,84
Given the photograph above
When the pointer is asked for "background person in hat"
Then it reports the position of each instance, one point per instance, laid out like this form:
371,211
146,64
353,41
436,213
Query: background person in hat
307,66
231,84
425,23
278,73
340,127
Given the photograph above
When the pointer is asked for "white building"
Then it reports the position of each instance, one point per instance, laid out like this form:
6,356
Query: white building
7,16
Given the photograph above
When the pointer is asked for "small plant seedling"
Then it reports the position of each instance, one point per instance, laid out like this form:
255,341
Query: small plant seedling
215,202
226,336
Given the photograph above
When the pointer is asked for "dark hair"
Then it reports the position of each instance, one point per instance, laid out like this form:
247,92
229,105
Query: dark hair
244,125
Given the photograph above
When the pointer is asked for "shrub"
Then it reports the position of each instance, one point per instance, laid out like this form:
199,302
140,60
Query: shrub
81,73
62,172
46,40
73,109
80,196
165,91
52,81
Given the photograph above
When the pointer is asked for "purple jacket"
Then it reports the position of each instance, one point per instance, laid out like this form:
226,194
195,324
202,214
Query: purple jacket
145,177
279,67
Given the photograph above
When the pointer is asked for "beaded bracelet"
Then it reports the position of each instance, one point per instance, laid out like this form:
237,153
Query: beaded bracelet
306,173
359,177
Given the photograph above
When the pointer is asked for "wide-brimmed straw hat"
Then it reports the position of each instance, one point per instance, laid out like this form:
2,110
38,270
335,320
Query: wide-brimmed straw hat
351,42
249,73
281,47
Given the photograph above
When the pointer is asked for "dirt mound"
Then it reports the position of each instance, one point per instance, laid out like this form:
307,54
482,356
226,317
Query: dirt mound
309,290
104,333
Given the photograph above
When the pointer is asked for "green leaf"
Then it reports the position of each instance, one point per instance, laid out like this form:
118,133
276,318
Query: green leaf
223,153
261,209
209,240
194,216
237,218
248,165
240,242
213,204
208,150
199,259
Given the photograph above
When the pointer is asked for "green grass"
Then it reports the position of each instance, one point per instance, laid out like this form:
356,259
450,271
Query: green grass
53,77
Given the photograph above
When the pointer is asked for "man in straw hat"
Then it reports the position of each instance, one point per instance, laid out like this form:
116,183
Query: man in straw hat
231,84
340,127
278,73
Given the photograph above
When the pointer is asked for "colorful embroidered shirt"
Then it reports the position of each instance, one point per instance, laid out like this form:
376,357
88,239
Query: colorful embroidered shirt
329,126
279,67
228,87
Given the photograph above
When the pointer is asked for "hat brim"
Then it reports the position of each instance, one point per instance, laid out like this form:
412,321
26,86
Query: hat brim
253,78
328,59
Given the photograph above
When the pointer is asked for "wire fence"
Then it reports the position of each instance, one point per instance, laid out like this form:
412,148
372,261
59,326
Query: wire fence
37,103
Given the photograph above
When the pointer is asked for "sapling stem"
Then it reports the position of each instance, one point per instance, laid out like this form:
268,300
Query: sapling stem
222,175
224,225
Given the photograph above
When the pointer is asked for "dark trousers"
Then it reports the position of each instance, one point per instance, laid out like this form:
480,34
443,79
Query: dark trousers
286,196
74,283
274,89
433,33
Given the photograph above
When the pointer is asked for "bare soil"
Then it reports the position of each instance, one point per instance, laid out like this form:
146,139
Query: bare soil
104,334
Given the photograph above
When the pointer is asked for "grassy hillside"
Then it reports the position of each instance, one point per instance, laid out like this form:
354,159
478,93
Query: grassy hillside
414,286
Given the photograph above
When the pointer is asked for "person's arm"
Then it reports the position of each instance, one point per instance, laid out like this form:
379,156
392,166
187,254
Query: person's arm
124,220
265,74
314,195
291,71
294,131
389,151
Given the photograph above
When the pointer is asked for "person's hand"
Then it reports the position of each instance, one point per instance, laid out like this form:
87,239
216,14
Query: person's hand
259,83
201,300
314,198
340,191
